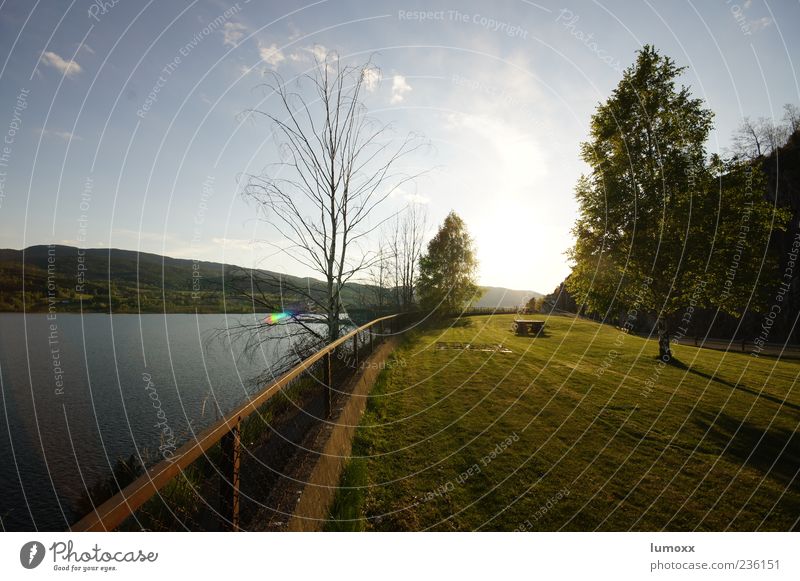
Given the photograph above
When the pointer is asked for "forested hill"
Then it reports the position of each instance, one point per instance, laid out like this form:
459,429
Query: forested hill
129,281
123,281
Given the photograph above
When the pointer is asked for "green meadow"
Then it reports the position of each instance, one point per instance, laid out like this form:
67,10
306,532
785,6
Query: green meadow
578,429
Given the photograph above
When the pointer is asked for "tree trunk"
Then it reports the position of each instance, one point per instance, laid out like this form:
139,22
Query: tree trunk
332,311
664,351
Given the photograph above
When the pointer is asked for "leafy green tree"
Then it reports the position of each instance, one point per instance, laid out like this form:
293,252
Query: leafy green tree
535,305
447,271
660,225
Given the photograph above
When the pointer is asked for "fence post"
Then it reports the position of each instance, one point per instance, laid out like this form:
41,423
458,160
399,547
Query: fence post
371,342
327,373
230,462
355,350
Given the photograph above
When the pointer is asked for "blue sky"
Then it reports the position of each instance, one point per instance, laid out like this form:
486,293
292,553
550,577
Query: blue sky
504,93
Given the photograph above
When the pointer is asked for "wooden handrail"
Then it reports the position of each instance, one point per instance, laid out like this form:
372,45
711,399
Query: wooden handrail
110,514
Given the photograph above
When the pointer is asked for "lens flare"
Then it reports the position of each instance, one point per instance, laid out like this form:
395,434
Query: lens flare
273,318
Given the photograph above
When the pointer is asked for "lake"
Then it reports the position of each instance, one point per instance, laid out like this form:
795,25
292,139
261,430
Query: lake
80,391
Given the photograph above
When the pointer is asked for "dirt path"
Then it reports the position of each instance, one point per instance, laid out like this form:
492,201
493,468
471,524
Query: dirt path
301,496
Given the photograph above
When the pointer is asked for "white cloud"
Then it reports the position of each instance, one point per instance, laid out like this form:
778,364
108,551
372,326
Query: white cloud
295,32
372,78
65,135
416,199
245,70
67,68
233,32
760,23
317,52
320,52
142,235
410,197
271,54
238,243
399,89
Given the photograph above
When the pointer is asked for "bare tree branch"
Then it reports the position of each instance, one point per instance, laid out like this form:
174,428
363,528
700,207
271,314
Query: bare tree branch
338,166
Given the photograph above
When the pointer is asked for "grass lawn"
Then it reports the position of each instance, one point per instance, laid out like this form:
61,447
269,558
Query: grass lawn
580,429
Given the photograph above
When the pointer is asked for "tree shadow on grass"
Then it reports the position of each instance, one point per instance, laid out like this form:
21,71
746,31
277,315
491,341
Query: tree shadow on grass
772,451
739,387
543,334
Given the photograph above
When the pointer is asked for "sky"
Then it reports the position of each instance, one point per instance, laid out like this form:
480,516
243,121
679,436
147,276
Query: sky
122,121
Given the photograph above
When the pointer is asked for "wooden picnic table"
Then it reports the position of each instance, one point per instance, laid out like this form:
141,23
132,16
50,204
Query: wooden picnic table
527,326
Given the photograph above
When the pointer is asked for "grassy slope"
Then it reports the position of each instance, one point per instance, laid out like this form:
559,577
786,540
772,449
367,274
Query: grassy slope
593,452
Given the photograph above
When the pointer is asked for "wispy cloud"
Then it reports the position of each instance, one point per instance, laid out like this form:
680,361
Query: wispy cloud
755,24
68,68
760,23
416,199
237,243
65,135
320,52
232,33
144,236
307,53
399,89
372,78
244,70
410,197
271,55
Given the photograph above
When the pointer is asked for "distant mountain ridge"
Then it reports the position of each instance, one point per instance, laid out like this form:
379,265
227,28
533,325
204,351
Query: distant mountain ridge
118,280
495,296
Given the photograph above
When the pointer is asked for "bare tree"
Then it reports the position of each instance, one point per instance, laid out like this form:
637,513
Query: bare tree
791,117
775,134
754,139
380,275
407,240
338,166
748,140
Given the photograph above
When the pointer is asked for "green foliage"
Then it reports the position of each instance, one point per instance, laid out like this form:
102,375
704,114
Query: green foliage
447,270
535,305
660,224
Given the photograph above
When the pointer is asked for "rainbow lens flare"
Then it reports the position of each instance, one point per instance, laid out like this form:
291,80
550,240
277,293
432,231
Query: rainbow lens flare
273,318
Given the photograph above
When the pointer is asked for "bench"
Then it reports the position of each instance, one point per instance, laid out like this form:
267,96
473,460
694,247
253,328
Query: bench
524,327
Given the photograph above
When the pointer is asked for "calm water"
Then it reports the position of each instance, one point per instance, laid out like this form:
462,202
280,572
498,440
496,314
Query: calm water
59,434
